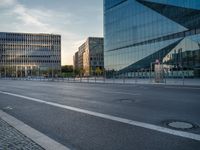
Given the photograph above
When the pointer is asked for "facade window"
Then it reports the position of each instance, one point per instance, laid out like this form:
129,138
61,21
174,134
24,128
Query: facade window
23,50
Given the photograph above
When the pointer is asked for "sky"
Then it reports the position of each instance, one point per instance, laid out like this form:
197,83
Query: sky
74,20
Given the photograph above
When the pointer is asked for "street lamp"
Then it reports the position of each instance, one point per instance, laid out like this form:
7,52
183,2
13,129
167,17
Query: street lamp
52,50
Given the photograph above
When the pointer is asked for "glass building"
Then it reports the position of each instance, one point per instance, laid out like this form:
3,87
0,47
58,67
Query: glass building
27,54
140,33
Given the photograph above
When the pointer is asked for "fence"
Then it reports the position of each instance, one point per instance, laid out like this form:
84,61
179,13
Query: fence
116,80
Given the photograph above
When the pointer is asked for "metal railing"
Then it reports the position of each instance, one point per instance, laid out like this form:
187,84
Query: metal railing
114,80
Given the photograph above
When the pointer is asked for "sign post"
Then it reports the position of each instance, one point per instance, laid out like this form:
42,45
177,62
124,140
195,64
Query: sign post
159,72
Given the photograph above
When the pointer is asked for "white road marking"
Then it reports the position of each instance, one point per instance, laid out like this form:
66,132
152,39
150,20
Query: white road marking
38,137
182,87
113,118
8,108
126,93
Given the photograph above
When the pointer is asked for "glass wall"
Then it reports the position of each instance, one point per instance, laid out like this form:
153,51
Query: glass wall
139,33
23,54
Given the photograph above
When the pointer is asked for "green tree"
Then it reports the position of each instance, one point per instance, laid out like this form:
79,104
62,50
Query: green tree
67,68
98,71
82,71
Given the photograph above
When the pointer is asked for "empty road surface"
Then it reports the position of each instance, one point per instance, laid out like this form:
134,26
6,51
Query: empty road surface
84,116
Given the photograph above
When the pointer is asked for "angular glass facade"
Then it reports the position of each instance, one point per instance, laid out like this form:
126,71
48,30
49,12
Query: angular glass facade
26,54
140,32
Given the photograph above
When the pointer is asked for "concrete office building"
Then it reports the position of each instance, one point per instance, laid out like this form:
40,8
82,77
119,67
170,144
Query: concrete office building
139,33
75,59
28,54
90,56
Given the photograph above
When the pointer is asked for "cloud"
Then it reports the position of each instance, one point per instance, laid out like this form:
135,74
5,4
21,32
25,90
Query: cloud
6,3
43,21
23,15
21,18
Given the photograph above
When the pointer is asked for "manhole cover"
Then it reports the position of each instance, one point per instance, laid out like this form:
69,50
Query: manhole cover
180,125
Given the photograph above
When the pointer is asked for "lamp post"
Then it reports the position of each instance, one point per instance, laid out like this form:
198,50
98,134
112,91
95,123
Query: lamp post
52,49
151,67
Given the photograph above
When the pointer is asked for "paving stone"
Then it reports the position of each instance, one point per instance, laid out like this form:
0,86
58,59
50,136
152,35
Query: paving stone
12,139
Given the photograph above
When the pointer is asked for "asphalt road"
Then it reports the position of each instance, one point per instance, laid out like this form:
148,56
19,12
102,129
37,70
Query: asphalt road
151,104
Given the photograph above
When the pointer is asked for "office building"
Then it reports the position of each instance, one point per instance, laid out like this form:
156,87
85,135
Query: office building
28,54
90,57
140,33
75,59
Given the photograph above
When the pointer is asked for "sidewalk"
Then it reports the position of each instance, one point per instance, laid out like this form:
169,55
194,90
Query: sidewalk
12,139
16,135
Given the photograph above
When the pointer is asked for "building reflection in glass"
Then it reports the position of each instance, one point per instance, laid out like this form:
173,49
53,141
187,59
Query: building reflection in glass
139,32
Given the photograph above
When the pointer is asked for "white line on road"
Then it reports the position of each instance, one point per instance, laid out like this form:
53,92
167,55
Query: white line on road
126,93
182,87
113,118
38,137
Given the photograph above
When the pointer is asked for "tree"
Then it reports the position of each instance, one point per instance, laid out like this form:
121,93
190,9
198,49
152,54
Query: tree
82,71
67,68
77,71
98,71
